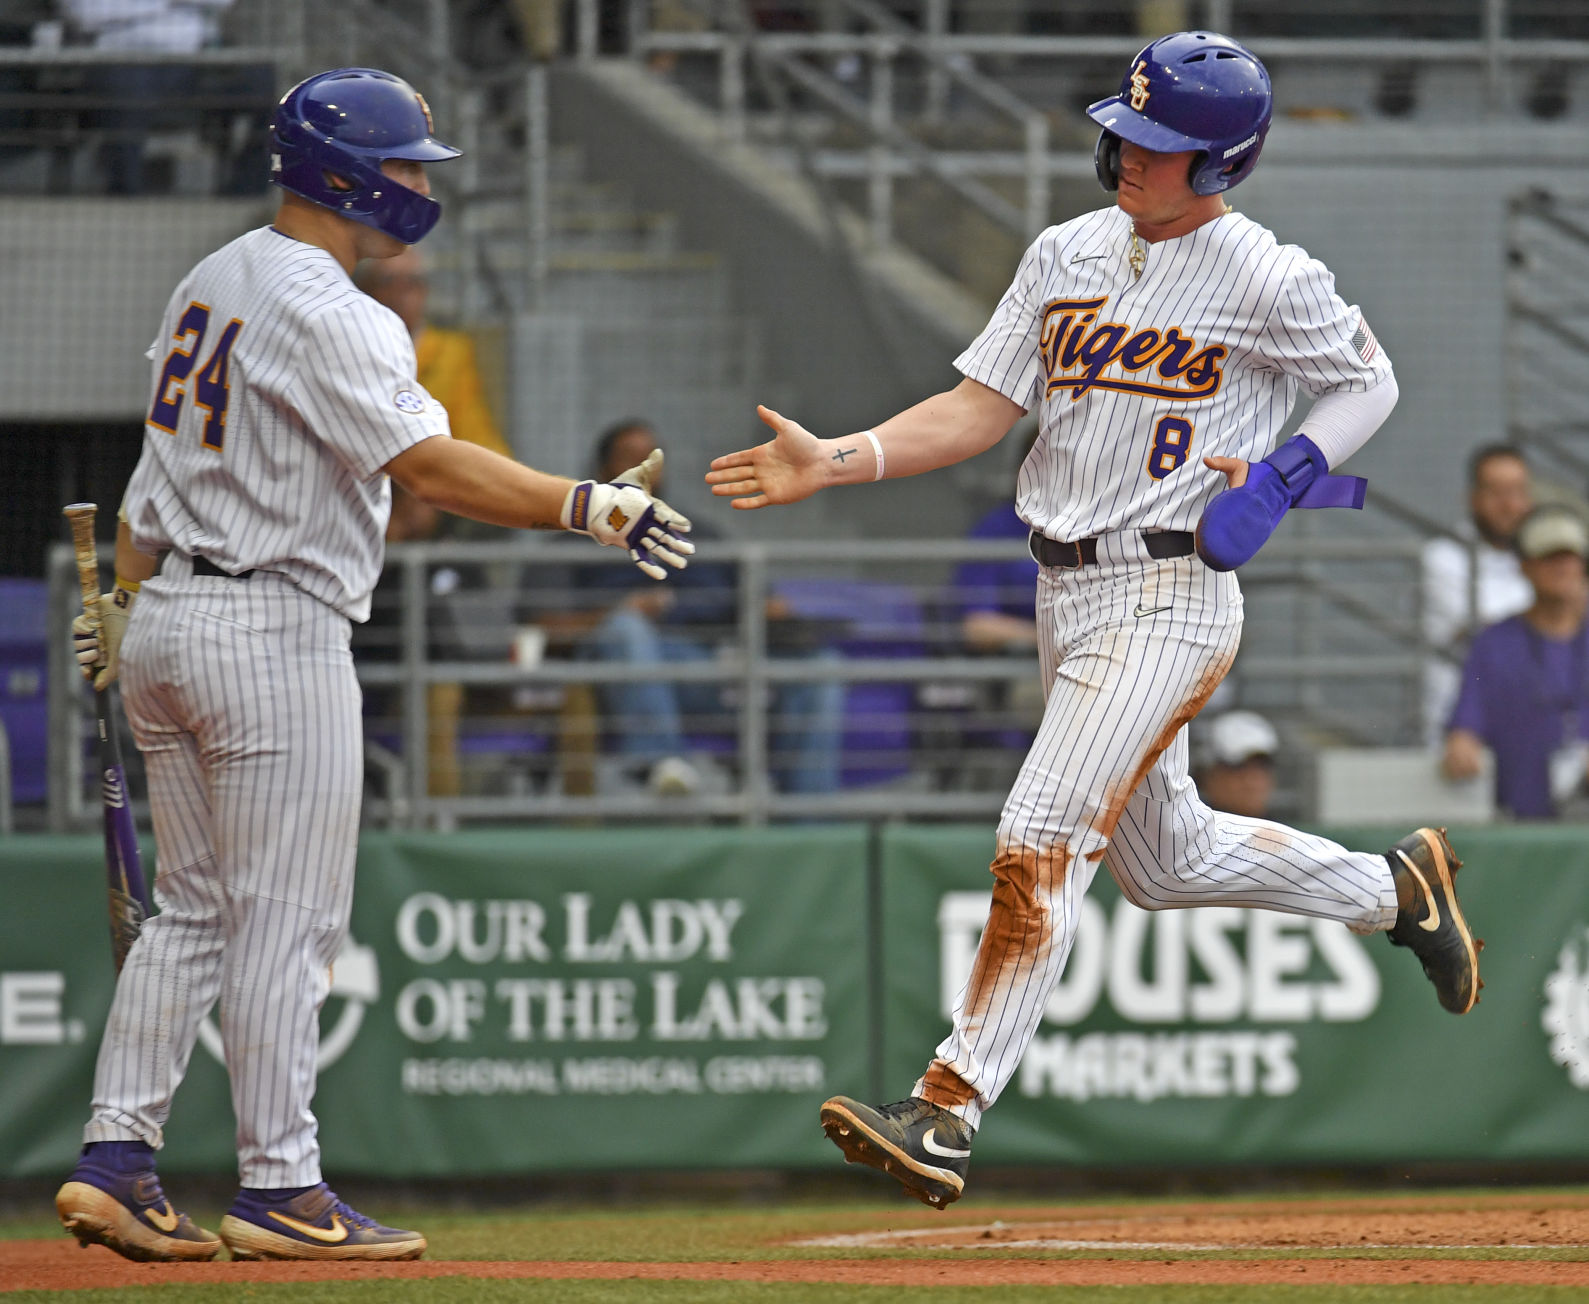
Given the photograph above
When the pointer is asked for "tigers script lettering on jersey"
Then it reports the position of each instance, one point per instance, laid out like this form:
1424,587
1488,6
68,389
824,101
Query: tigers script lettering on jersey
280,391
1070,340
1137,379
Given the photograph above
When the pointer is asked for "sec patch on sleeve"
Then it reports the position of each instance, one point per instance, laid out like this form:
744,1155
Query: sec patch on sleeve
408,401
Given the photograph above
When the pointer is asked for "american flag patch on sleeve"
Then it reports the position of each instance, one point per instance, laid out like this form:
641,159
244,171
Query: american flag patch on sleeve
1364,342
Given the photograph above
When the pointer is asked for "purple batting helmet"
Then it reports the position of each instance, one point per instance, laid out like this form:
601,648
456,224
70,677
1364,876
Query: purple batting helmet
1190,91
343,124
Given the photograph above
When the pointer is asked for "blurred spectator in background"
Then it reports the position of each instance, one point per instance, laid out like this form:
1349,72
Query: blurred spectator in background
445,359
1458,602
495,33
22,22
996,604
447,368
445,365
134,91
1525,686
379,640
998,599
610,617
1236,762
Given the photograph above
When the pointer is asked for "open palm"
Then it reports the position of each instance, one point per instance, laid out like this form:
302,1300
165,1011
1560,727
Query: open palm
786,469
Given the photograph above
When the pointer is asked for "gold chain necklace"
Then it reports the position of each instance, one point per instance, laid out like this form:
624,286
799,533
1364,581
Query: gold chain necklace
1137,256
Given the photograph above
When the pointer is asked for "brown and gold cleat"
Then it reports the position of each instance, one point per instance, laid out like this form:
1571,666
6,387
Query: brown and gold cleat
1432,925
129,1213
314,1224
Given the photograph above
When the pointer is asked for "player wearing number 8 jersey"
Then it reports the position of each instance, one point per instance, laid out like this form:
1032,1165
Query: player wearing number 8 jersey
283,400
1163,342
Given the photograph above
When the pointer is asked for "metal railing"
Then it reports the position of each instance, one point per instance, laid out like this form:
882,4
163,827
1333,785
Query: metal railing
915,71
1304,663
48,106
1547,337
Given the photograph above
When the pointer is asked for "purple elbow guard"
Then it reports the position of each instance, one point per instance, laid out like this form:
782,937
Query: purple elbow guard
1238,522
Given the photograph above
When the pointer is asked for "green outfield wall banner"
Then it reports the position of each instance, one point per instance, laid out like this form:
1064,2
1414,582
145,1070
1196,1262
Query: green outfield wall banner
535,1001
507,1002
1246,1036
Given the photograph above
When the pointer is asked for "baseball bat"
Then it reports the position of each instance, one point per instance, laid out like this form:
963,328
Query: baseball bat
129,893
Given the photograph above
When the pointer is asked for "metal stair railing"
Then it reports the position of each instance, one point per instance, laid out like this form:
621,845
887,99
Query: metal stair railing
891,150
948,59
1547,337
1301,659
414,40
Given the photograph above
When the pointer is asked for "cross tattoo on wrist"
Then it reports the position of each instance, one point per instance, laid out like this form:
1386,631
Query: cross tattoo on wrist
842,454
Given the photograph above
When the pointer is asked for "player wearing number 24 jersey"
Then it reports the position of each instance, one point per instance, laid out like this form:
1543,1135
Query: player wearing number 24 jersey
283,403
287,479
1162,342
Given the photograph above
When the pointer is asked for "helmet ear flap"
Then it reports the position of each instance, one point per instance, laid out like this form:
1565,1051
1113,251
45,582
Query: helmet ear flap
1106,160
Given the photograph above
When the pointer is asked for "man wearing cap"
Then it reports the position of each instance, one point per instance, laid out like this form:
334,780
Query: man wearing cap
1525,685
1238,771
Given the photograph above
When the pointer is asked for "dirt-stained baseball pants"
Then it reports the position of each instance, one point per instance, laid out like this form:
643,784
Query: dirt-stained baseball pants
1130,650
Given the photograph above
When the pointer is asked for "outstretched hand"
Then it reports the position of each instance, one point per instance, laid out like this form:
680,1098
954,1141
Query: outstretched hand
786,469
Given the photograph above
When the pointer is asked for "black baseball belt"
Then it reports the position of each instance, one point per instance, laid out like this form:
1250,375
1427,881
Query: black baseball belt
1161,545
204,566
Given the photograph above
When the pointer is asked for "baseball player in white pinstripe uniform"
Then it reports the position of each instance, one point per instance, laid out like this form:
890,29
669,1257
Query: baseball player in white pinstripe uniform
283,399
1163,341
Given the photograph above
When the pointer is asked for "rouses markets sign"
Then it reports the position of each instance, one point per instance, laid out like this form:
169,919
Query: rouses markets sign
1243,971
1233,1036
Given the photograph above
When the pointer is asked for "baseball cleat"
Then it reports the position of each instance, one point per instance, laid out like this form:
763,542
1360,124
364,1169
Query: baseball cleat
1431,925
923,1147
314,1224
128,1212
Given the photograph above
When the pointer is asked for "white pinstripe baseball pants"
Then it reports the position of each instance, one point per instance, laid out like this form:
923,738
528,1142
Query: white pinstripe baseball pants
1130,651
243,700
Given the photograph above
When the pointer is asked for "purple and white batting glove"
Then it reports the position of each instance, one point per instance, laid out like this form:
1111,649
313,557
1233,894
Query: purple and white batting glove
623,514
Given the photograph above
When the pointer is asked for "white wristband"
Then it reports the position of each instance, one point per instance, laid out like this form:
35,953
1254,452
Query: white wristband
877,448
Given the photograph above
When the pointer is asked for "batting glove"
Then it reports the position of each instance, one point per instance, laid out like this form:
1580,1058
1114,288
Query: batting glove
113,608
623,513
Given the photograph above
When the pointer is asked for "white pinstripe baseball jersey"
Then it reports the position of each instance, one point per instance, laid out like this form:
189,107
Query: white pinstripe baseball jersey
280,391
1137,379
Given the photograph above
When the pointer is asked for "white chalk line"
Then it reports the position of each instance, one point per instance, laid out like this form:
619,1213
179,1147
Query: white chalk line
881,1240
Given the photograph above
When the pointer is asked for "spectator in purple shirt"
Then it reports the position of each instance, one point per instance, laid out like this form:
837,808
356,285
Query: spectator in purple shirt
997,600
1525,685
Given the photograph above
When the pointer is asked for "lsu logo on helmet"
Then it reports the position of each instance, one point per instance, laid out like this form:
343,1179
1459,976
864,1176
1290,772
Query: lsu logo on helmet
1139,86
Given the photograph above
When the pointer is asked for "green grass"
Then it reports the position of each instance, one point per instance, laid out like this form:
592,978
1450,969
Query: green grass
736,1292
704,1230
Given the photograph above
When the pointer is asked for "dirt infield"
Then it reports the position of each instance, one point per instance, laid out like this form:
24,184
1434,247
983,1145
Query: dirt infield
1490,1223
1347,1242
